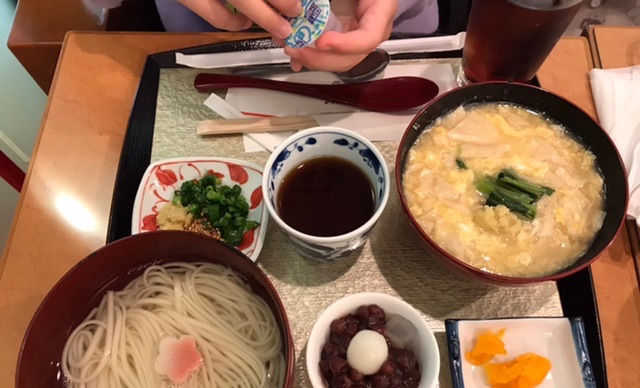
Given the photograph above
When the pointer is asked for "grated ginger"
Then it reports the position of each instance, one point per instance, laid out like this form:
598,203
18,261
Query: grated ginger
173,217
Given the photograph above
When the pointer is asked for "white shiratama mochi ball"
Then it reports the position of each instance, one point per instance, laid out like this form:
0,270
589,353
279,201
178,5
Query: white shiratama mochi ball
367,351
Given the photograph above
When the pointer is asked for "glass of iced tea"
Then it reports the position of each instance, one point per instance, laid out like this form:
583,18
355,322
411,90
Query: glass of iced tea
507,40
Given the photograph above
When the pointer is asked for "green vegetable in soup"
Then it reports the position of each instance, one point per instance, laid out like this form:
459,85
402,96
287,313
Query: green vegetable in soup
219,206
514,192
460,163
509,178
525,210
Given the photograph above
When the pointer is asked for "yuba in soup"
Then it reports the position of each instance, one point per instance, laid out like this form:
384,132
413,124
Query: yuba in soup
455,187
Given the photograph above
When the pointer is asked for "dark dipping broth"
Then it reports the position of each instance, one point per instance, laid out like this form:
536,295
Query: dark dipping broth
325,196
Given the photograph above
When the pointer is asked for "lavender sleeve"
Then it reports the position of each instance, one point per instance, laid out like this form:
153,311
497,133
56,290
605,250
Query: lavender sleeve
413,16
416,16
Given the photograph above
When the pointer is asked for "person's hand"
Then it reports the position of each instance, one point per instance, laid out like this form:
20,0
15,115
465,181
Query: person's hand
259,11
367,24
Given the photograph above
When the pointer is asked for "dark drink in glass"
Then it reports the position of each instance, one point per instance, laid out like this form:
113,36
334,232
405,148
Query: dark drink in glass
507,40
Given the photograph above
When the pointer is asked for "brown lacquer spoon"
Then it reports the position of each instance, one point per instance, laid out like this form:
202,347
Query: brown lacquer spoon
385,95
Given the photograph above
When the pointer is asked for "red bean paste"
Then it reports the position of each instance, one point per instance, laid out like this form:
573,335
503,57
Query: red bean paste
401,369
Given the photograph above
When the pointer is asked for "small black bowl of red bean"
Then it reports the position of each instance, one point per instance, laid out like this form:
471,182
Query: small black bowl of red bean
372,340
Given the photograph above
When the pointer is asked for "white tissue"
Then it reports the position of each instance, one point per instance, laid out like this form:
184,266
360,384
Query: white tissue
616,94
277,55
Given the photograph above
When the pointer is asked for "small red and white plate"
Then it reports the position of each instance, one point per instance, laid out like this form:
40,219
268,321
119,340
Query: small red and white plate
164,177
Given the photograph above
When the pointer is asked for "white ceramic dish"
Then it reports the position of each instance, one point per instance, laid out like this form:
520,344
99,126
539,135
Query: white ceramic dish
426,352
163,177
561,340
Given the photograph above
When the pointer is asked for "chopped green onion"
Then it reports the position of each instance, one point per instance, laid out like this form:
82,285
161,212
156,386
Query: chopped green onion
218,206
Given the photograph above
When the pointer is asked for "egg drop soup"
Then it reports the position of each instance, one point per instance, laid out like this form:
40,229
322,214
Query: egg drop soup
477,143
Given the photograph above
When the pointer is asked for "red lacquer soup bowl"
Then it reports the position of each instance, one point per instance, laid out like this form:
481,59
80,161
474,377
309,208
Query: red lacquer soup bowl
578,125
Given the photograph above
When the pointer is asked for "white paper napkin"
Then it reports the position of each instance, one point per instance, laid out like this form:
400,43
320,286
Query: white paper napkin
616,93
277,55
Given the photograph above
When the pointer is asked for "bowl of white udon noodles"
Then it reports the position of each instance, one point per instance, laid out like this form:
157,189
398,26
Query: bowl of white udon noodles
471,139
102,323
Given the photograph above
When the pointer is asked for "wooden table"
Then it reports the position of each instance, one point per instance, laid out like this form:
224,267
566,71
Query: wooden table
39,28
63,211
615,46
618,288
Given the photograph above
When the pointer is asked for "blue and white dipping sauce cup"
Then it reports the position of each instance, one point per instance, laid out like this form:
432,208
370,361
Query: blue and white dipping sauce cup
326,142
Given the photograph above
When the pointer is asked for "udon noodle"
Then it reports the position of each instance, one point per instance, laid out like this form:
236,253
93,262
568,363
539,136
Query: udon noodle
234,330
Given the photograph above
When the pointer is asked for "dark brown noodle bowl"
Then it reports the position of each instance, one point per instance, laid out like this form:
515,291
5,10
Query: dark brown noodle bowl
113,267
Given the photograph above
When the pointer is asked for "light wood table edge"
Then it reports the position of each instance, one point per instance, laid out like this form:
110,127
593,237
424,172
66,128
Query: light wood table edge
587,48
51,94
551,78
34,154
607,41
595,54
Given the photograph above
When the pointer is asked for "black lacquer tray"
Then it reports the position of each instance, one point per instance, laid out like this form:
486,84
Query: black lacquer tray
576,292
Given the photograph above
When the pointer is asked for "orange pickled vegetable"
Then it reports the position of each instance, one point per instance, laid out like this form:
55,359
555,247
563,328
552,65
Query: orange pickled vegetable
487,346
525,371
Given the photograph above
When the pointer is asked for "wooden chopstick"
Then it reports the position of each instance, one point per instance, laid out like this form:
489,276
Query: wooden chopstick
245,125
